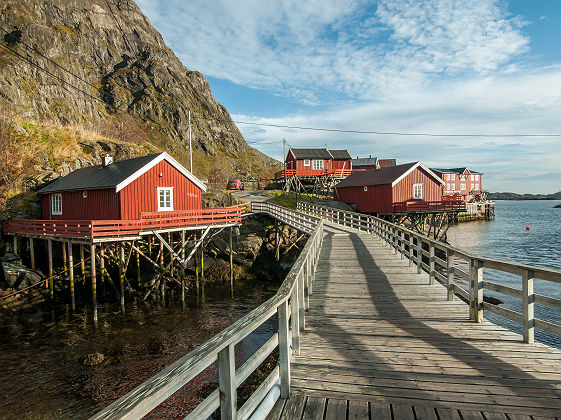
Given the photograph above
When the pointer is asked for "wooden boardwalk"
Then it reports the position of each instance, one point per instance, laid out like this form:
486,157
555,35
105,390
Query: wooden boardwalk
380,342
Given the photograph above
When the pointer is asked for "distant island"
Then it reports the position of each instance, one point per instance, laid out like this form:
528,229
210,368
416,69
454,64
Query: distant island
515,196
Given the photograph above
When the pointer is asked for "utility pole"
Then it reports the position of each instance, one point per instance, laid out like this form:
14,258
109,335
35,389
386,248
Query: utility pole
284,154
190,149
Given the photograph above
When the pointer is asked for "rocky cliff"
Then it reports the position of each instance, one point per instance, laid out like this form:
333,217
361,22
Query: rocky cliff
93,63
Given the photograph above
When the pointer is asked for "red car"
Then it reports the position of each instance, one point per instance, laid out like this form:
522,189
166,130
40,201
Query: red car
235,184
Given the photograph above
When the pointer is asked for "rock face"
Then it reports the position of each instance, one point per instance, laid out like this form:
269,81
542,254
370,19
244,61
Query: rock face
115,59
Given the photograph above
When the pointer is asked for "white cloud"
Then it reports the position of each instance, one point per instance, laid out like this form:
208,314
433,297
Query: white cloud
316,50
527,102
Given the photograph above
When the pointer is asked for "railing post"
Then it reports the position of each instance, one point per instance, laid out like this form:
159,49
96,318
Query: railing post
308,282
302,300
528,306
410,250
394,239
419,255
401,244
450,274
431,263
227,383
295,315
284,349
476,290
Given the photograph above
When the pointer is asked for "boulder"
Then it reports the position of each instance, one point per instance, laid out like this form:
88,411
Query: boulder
17,276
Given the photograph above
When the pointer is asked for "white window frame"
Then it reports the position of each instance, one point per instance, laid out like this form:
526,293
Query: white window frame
306,162
366,188
472,185
452,177
477,177
462,187
447,177
472,177
159,191
417,191
476,187
317,164
56,205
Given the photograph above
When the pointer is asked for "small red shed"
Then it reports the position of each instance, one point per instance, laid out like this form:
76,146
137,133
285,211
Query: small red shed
390,189
312,162
365,164
122,190
460,182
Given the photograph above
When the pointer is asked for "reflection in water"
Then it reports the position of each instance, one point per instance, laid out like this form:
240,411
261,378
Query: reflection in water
506,238
42,353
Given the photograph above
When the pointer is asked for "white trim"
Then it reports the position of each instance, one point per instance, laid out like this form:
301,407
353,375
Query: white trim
309,162
420,187
322,164
58,212
431,173
162,156
366,188
158,191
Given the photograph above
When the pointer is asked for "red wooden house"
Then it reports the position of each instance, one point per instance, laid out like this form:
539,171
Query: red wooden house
460,182
122,190
365,164
316,162
392,189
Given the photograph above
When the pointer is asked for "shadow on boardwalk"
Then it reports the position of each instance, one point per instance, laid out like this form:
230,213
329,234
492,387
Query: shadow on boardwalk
394,355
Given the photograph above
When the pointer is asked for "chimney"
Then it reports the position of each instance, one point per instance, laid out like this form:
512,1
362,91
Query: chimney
107,160
370,156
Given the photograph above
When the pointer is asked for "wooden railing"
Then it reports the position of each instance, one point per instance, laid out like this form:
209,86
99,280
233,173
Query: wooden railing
428,206
119,228
285,173
300,221
421,251
289,305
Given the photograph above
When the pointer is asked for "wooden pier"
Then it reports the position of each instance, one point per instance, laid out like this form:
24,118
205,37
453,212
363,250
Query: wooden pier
370,326
380,339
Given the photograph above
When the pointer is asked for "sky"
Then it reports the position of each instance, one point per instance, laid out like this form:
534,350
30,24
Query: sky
490,68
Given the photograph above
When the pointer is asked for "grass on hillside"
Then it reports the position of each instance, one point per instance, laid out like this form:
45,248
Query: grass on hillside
288,200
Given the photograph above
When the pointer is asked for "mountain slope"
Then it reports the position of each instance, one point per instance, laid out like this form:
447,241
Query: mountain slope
92,62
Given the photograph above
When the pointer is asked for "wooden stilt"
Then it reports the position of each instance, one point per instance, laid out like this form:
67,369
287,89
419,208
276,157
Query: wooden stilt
71,276
64,263
162,268
32,253
203,261
150,245
196,266
277,241
138,267
182,272
102,265
82,263
50,256
122,275
170,242
231,259
15,245
94,286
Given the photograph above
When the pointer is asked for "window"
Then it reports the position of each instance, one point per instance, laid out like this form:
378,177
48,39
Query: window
477,177
463,187
476,187
448,178
165,198
472,177
449,187
472,185
365,188
84,194
452,177
417,191
56,204
306,162
317,164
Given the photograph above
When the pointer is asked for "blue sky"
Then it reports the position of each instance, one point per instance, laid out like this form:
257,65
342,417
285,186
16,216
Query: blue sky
438,66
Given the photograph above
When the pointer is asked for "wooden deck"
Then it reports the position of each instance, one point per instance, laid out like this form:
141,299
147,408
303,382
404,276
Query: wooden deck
380,342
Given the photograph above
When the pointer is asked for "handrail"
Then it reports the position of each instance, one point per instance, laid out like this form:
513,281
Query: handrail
148,221
421,250
312,172
289,303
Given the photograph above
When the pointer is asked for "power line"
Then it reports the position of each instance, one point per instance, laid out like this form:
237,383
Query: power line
393,133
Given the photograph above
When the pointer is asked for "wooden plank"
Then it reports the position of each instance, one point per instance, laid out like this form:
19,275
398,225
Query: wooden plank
403,412
494,416
314,409
276,411
425,413
447,414
336,409
380,411
471,415
294,407
358,410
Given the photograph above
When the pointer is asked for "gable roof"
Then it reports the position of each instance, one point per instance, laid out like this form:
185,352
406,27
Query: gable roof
116,175
310,154
384,163
340,154
390,175
369,161
455,171
300,154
